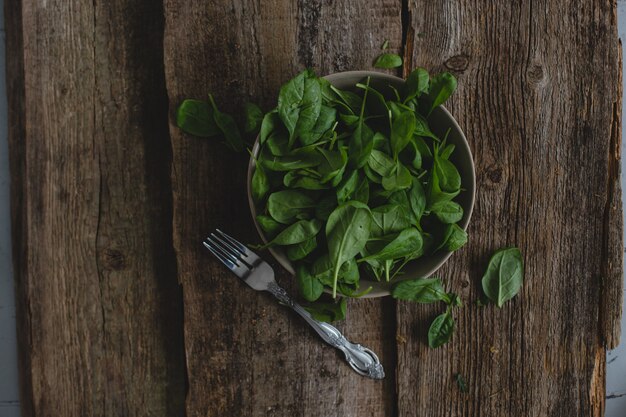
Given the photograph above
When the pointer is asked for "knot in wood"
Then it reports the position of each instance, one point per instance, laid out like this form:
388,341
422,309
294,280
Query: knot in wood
494,174
535,75
113,259
457,63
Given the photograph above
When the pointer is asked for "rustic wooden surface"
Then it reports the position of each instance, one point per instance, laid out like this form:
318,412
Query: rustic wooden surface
104,235
539,99
99,306
246,355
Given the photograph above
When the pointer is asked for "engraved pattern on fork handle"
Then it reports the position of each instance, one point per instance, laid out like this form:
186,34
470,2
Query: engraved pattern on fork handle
361,359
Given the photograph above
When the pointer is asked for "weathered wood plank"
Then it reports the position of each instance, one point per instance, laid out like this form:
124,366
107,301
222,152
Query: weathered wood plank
540,101
99,308
245,354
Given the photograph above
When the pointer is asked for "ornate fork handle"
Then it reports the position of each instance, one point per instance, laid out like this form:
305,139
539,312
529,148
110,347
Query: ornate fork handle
360,358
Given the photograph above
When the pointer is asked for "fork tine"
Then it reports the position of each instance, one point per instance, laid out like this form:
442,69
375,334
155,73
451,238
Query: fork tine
247,253
239,268
219,256
233,257
232,250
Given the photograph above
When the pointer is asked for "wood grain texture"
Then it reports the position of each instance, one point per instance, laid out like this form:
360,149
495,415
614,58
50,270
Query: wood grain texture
99,308
540,101
246,355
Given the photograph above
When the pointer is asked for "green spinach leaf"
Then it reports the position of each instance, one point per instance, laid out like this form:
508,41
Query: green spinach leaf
299,104
285,205
196,118
310,287
347,231
228,127
504,275
441,330
441,88
388,61
425,290
253,116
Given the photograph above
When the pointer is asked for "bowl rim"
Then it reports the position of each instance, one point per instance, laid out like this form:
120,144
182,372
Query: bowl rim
379,290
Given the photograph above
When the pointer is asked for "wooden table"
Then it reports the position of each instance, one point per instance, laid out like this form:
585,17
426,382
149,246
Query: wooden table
122,313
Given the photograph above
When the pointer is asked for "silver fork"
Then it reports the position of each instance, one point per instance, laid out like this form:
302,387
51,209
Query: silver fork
258,274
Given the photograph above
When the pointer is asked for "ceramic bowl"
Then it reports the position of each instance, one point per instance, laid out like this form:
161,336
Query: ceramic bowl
440,121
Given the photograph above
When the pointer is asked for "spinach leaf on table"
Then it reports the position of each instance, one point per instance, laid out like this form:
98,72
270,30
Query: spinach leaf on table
196,118
441,329
228,127
388,61
504,275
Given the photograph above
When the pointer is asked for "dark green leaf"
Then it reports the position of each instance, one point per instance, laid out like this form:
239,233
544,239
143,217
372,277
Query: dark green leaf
441,330
416,83
447,211
302,249
347,187
298,232
426,291
285,205
325,206
408,243
271,122
310,287
277,144
360,145
269,226
362,192
295,160
417,200
422,129
228,127
388,61
324,122
402,132
351,100
453,238
389,219
259,185
381,163
347,231
196,118
504,275
399,179
328,312
331,163
299,104
254,117
441,88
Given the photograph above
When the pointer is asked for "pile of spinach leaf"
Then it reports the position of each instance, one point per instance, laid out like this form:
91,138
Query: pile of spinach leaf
353,183
350,183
